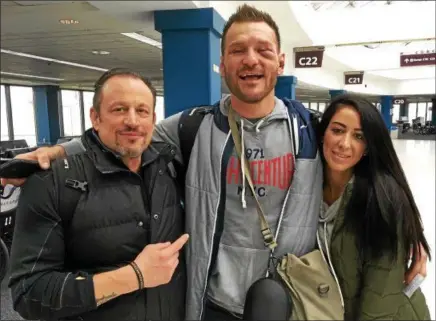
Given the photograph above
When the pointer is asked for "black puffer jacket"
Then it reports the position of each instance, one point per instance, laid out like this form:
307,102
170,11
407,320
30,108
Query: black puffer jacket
119,214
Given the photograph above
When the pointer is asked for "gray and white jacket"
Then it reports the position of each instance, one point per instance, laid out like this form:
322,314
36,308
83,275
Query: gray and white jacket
226,253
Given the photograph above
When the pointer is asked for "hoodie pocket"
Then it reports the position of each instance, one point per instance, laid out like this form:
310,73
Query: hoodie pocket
236,269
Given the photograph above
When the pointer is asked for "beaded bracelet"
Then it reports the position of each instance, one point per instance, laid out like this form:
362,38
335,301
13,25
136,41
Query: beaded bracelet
138,274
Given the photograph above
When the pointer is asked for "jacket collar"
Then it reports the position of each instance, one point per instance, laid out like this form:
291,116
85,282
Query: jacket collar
220,111
107,160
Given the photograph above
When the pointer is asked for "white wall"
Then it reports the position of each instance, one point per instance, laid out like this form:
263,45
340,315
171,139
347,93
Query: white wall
415,87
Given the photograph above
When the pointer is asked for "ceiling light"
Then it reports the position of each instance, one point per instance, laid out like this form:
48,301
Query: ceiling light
100,52
144,39
62,62
29,76
372,46
69,21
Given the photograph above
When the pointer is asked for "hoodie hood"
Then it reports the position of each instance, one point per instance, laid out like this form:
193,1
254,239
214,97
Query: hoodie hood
329,213
279,112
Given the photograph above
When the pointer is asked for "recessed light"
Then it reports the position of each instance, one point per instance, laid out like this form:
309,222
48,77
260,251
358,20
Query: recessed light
29,76
69,63
69,21
100,52
144,39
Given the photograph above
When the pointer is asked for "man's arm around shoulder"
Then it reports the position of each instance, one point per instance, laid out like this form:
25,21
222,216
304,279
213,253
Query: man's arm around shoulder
167,130
73,147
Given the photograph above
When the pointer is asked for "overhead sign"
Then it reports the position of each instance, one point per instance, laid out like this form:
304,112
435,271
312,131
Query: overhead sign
418,59
353,78
399,100
308,57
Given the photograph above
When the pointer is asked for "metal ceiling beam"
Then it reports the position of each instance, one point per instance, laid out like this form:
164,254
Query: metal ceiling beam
350,44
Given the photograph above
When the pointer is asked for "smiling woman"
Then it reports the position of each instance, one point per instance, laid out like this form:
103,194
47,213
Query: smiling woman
344,143
369,221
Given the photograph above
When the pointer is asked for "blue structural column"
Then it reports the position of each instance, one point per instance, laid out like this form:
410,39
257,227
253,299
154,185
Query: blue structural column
336,92
47,114
191,57
386,103
285,87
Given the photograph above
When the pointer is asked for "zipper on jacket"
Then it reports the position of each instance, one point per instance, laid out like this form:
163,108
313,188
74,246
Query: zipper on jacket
211,251
145,200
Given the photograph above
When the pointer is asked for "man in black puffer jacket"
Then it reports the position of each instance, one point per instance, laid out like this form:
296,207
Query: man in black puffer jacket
115,254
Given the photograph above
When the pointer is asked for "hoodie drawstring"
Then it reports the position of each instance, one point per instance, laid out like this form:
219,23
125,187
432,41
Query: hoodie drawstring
258,125
244,203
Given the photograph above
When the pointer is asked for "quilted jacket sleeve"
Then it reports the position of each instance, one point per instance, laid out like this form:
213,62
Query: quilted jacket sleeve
41,286
382,296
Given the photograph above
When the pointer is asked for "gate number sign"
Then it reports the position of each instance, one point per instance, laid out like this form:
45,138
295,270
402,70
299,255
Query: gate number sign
308,57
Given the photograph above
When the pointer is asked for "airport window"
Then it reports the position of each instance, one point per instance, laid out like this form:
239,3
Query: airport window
3,116
160,109
87,104
421,110
23,114
396,113
71,112
306,104
429,111
321,107
412,111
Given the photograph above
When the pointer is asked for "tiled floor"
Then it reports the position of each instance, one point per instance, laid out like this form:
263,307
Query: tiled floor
418,160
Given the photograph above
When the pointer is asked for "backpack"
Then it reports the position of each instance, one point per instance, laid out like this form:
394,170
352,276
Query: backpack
70,182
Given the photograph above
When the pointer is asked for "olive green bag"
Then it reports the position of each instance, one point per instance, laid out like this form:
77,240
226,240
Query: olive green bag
313,290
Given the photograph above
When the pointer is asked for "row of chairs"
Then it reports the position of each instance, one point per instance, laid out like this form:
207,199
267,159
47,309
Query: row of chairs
418,128
9,199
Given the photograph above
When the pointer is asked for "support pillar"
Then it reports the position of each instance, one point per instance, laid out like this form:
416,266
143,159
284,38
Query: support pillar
336,92
404,109
285,87
47,114
386,110
191,40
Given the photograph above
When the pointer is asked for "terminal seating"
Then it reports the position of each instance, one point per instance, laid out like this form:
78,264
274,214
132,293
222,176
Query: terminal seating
12,144
66,139
9,196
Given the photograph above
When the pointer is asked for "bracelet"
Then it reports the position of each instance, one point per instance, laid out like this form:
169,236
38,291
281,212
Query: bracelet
138,274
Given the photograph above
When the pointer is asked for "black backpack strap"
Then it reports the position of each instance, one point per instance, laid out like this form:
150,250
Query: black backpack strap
315,119
70,183
189,123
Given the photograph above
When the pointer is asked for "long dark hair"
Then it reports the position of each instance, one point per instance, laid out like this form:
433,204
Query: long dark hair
381,211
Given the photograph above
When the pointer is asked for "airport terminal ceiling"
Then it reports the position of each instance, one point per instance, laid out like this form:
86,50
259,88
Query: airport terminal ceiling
70,43
371,35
